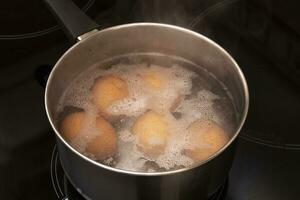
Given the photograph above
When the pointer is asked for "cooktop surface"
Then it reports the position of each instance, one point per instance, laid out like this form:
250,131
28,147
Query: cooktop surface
263,37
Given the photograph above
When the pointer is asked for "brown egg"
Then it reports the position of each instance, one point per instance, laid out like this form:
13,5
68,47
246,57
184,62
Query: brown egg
106,90
102,146
71,125
206,138
152,133
156,81
153,80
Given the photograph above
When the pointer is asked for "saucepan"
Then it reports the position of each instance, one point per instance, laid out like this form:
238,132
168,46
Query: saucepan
98,181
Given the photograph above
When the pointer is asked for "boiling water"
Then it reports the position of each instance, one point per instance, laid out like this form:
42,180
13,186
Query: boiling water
196,93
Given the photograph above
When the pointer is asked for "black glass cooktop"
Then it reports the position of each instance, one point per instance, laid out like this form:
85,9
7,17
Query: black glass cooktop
262,35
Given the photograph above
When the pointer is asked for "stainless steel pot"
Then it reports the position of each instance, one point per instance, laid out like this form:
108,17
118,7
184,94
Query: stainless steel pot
97,181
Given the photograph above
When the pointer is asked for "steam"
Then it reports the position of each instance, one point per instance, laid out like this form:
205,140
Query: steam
177,12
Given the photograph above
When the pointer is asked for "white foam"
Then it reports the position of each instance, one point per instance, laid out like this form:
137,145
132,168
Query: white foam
198,107
130,158
126,136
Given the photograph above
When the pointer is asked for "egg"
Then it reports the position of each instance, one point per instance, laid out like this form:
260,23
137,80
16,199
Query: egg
151,131
206,138
153,80
164,95
103,145
71,125
107,90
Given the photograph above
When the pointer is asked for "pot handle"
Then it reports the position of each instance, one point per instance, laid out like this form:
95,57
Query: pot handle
74,22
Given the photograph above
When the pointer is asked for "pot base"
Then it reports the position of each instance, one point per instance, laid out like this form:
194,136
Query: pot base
66,191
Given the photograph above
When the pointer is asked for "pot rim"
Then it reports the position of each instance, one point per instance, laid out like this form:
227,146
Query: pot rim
177,28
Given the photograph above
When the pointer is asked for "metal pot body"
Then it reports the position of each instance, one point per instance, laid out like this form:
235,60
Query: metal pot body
96,181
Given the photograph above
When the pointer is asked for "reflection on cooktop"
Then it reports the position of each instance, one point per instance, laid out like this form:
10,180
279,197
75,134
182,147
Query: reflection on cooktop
274,101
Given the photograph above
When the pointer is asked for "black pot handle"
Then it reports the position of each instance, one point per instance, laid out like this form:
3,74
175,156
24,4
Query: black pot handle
74,22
